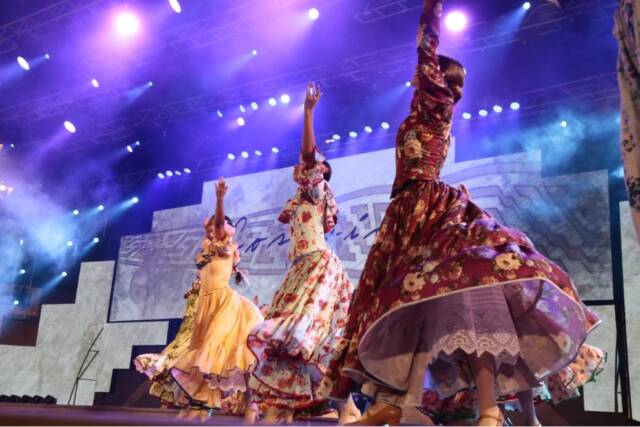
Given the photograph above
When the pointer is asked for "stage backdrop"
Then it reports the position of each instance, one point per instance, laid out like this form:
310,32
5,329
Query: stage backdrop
566,216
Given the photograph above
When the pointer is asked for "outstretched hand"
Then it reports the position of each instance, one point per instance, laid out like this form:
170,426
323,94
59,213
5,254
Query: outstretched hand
221,188
312,97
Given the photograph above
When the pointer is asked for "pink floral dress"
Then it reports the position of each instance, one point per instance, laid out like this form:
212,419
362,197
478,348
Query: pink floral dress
444,280
304,327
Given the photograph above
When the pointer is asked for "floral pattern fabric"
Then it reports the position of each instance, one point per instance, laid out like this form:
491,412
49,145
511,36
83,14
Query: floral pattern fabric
303,330
157,366
627,31
434,242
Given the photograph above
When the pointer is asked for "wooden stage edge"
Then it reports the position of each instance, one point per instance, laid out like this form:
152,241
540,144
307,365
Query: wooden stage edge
17,414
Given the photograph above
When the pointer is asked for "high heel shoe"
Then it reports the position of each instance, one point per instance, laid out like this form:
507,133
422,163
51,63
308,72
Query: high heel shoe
386,415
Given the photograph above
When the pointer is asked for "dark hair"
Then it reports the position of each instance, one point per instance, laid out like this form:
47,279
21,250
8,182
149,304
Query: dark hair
327,174
213,217
454,75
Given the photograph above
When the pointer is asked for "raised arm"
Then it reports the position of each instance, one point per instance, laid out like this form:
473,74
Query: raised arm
308,150
219,220
428,42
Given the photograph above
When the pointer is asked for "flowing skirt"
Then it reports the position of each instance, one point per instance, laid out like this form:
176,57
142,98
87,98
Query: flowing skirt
157,366
302,334
451,282
218,356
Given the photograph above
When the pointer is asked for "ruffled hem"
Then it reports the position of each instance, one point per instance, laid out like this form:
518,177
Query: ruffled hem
196,383
565,379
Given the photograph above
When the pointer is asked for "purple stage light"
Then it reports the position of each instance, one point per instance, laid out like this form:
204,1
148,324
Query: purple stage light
313,14
129,149
169,173
24,64
231,156
70,127
160,175
258,153
526,5
368,129
255,106
244,155
127,24
285,99
95,83
497,109
273,102
564,124
241,121
47,56
385,125
187,170
515,106
466,116
175,5
254,52
483,113
275,150
336,137
242,109
63,274
456,21
353,134
219,113
135,200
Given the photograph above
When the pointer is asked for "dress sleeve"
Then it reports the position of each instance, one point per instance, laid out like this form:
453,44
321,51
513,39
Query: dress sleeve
428,72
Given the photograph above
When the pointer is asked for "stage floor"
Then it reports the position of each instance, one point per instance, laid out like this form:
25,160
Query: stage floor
57,415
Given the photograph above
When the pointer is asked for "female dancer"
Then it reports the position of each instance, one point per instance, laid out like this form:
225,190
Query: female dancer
218,361
449,299
304,327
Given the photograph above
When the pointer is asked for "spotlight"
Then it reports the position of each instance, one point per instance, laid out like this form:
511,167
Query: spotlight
70,127
187,170
285,99
135,200
137,143
242,109
466,116
160,175
526,5
408,84
515,106
241,121
150,83
16,302
244,155
63,274
129,148
21,242
175,5
368,129
95,83
456,21
23,271
231,156
258,153
70,243
497,109
169,174
313,14
483,113
101,208
76,212
385,125
96,240
127,24
273,102
219,113
255,106
353,134
23,63
177,173
336,137
47,56
254,52
564,124
275,150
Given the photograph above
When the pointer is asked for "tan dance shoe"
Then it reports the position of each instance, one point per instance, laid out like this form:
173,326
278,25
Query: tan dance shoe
491,420
380,415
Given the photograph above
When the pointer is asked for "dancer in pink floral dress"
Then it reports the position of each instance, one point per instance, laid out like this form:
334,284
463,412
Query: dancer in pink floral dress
303,330
449,299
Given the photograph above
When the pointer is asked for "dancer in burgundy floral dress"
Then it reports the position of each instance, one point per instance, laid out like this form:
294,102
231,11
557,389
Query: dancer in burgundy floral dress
304,327
450,300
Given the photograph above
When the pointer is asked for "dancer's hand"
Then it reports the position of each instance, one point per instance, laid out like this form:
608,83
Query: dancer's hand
221,188
465,191
312,97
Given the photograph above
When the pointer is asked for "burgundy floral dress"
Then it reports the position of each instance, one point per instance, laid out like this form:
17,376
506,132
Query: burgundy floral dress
304,327
444,280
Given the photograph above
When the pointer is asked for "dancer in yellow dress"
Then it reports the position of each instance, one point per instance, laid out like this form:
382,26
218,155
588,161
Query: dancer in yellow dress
218,361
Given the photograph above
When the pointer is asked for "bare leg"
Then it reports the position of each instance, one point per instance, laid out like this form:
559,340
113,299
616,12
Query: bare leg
528,409
484,374
251,412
